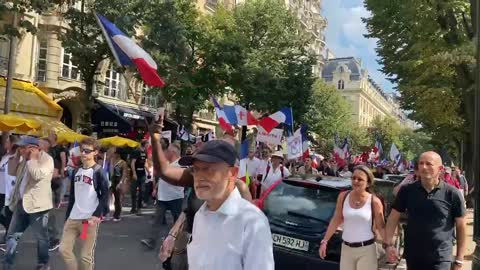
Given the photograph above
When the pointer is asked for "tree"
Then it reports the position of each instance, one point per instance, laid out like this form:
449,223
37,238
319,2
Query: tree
83,39
23,7
266,62
180,40
426,47
329,115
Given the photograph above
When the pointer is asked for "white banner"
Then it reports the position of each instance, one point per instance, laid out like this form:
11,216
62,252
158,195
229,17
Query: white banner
274,137
167,134
294,145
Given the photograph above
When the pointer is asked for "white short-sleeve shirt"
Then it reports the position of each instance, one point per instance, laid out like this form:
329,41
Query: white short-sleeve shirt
235,237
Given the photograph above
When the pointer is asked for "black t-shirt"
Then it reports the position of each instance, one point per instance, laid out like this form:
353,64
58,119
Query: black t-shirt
140,157
431,220
193,204
55,153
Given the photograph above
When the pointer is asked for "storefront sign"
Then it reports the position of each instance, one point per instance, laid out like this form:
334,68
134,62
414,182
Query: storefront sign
274,137
132,116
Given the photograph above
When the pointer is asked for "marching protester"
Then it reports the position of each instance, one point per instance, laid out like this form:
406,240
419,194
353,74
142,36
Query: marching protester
462,181
274,171
31,199
360,212
7,183
138,177
169,197
434,209
118,179
253,164
216,183
307,167
87,201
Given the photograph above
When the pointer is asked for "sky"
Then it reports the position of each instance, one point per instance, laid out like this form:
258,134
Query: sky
344,36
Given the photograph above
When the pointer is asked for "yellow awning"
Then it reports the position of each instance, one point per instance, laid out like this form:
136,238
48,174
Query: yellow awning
31,103
26,98
118,141
47,124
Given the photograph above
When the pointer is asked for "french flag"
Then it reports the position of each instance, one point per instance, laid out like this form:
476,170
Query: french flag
75,154
305,146
243,170
238,115
270,122
128,53
222,118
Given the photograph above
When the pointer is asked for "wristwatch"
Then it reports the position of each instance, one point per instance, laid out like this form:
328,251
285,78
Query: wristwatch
458,262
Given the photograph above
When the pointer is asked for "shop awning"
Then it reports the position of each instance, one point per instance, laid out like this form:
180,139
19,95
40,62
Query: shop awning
30,102
129,113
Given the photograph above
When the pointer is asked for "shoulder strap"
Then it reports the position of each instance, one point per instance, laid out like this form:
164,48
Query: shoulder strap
281,171
344,198
268,170
373,215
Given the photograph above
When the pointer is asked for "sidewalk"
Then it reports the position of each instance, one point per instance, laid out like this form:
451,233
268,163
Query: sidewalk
470,243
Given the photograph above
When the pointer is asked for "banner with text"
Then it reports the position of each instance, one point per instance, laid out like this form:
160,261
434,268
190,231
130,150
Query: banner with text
294,145
274,137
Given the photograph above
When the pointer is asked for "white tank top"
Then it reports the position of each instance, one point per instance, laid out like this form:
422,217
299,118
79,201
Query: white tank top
357,223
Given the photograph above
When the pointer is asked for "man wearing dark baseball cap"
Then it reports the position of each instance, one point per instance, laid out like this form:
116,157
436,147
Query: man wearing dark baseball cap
225,219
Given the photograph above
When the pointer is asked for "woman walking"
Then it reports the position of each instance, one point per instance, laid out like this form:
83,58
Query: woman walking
360,212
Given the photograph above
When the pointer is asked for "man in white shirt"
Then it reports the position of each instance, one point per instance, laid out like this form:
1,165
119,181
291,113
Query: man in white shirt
253,164
169,197
228,231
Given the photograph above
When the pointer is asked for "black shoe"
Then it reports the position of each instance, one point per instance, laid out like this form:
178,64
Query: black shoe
54,244
43,267
133,211
149,243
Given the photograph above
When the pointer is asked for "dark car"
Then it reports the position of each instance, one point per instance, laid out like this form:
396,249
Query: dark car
299,212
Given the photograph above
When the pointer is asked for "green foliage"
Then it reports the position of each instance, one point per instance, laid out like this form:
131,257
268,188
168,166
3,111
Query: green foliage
426,47
83,38
266,63
23,7
388,130
179,38
329,114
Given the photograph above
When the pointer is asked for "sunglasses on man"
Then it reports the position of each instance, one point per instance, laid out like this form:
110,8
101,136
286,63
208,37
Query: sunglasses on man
87,151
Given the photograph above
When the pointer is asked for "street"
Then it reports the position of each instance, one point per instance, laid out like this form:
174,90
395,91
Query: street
118,246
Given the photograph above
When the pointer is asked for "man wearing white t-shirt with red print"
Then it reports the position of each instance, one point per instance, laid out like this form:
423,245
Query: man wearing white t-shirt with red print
169,197
88,199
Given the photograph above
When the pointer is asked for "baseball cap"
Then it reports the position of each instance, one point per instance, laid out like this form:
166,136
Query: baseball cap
27,140
213,152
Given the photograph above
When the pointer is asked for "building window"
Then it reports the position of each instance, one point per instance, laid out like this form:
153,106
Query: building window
42,60
211,4
69,71
341,84
148,99
112,84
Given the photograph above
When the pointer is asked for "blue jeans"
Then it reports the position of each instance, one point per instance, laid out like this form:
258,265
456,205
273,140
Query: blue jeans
20,222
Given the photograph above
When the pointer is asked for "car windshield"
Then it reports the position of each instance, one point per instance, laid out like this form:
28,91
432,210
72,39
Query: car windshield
311,202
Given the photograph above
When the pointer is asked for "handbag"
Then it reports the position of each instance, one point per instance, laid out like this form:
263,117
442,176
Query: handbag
181,241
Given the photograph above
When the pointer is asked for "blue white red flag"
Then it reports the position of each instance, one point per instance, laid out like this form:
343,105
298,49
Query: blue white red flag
270,122
222,117
128,53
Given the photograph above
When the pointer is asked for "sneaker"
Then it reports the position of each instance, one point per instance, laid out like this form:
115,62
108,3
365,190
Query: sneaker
54,244
116,219
133,211
149,243
43,267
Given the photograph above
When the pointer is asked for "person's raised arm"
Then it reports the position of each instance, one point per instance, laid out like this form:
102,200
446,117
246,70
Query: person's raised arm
161,167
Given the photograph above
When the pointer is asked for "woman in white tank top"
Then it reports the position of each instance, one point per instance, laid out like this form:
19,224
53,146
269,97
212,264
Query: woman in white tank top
359,211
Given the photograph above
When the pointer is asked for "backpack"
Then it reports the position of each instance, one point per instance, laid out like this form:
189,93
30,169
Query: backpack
371,206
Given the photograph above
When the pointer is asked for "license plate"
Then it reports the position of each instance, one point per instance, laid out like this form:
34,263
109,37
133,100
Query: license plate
289,242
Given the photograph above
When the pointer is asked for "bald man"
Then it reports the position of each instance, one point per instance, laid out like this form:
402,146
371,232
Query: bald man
434,209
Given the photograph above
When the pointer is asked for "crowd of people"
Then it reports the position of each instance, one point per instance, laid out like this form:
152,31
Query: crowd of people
214,217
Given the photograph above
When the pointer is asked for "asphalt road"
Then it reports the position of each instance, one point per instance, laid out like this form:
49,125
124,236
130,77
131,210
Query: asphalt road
118,246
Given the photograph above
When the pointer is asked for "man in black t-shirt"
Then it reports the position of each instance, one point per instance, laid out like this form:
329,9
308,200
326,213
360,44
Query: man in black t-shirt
138,177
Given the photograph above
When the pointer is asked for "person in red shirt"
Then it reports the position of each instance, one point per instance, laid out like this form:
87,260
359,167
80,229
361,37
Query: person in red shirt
449,179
